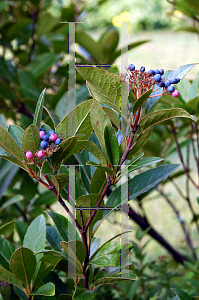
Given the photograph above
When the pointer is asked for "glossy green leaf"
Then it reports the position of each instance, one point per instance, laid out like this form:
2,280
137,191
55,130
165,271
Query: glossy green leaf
181,294
53,117
82,128
91,147
138,185
39,108
9,144
89,201
5,155
36,235
53,238
112,147
16,132
179,72
76,254
99,121
140,142
12,200
141,100
105,169
30,140
115,119
83,294
23,265
111,280
98,181
65,147
6,251
104,86
42,63
44,269
47,289
61,223
46,198
21,229
46,169
10,278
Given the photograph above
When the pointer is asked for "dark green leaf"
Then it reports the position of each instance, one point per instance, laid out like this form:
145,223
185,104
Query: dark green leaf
47,289
9,144
39,108
53,238
112,147
21,229
61,223
10,278
53,117
98,181
141,100
16,132
6,250
182,295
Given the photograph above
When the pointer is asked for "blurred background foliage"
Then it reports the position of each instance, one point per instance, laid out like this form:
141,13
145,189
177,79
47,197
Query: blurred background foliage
34,55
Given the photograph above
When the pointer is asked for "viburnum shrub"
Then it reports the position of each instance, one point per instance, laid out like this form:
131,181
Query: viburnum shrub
113,126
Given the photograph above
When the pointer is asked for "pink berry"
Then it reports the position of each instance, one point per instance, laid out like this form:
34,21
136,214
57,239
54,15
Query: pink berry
29,155
53,137
175,93
41,154
41,133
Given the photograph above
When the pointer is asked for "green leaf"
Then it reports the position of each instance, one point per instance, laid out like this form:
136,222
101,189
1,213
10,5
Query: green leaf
45,23
7,227
61,223
42,63
65,147
163,115
36,235
108,42
182,295
46,198
39,108
89,201
6,250
21,229
53,238
105,86
23,265
10,278
47,289
83,126
83,294
16,132
44,269
180,72
9,145
98,181
99,121
12,200
141,100
91,147
76,254
112,147
105,169
53,117
111,280
115,119
9,158
30,140
140,142
138,185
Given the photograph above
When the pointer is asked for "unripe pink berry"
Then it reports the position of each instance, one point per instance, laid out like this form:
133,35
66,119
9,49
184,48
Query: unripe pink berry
41,133
41,154
175,93
29,155
53,137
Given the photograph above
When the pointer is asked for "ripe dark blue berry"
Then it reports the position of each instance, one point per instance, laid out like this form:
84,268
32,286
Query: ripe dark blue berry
58,141
151,72
41,129
44,144
171,88
51,132
131,67
167,83
157,77
173,80
161,71
45,137
161,84
177,79
157,71
142,69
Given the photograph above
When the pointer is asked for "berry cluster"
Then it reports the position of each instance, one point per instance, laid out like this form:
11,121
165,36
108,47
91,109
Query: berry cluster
141,81
49,144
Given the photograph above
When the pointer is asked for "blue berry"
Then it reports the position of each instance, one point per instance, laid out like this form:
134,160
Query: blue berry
161,84
161,71
173,80
142,69
58,141
44,144
151,72
49,140
171,88
41,129
167,83
177,79
157,77
45,137
157,71
51,132
131,67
